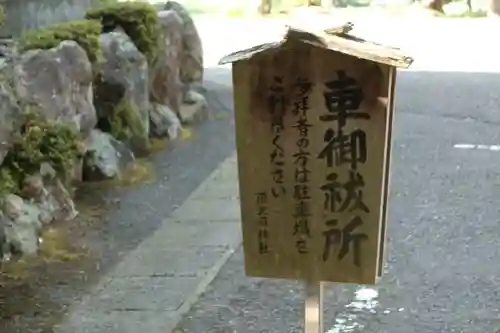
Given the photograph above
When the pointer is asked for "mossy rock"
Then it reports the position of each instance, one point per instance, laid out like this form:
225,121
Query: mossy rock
2,15
39,141
84,32
139,20
119,116
127,126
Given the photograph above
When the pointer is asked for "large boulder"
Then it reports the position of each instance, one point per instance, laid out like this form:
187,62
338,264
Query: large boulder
106,157
165,87
195,110
47,193
164,122
58,82
42,200
121,91
10,111
22,218
191,69
22,226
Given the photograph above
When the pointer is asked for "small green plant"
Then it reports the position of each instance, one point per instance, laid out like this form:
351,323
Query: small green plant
39,141
125,122
84,32
121,116
139,20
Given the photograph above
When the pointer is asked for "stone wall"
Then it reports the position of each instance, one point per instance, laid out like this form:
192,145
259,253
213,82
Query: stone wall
21,15
68,115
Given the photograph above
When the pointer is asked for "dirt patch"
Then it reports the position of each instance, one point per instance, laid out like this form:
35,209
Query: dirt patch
36,292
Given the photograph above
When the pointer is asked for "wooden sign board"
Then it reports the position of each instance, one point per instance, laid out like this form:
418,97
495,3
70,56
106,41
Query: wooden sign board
313,119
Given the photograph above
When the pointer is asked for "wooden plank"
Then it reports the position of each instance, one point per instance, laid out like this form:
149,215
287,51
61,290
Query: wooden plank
354,46
272,246
313,307
387,168
335,39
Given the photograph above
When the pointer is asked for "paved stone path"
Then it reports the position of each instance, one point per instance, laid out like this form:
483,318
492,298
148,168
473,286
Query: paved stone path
155,284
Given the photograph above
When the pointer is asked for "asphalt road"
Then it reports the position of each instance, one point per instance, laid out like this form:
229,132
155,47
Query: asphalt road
442,272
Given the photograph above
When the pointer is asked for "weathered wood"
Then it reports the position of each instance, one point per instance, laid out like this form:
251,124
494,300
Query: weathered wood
313,312
304,71
335,39
495,7
387,176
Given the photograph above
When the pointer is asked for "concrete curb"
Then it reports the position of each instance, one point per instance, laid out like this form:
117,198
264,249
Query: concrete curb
164,276
202,287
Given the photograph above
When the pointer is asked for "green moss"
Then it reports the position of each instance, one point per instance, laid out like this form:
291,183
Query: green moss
118,115
84,32
139,20
8,181
39,141
125,122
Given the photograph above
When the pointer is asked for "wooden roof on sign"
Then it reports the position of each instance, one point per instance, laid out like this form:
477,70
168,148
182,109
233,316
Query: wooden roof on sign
336,39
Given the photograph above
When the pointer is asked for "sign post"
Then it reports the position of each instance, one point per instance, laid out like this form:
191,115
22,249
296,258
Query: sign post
313,115
313,314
